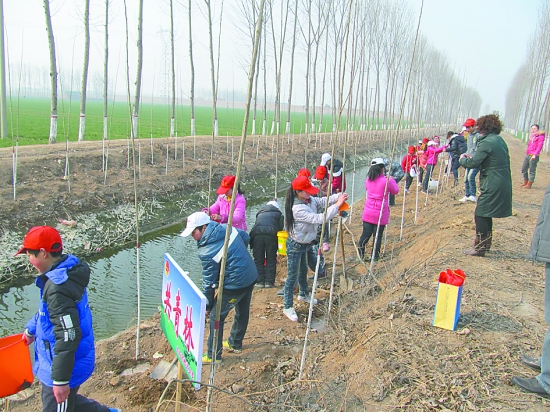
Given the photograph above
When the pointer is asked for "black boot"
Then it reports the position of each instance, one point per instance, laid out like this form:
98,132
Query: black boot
478,249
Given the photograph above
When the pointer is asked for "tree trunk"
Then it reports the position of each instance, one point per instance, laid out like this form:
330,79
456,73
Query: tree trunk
84,84
137,95
173,117
106,73
287,130
193,131
53,74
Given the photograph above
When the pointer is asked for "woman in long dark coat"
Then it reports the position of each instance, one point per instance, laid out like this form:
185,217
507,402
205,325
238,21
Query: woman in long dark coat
495,200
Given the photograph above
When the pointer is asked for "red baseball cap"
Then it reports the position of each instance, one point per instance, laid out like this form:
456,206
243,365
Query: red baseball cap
320,172
469,122
304,172
303,183
411,149
227,183
42,237
425,140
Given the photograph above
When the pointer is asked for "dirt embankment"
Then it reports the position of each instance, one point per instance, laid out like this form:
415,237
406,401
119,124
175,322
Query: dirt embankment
376,350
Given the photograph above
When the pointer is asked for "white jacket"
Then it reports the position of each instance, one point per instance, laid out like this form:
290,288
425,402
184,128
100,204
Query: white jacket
307,219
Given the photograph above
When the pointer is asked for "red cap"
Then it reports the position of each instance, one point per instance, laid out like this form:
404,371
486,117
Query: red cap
303,183
304,172
227,183
320,172
469,122
425,140
42,237
411,149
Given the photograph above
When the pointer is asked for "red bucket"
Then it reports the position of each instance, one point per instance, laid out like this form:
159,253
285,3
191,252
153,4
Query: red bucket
15,365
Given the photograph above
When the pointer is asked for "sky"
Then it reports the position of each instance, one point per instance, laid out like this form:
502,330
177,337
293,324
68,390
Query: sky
485,41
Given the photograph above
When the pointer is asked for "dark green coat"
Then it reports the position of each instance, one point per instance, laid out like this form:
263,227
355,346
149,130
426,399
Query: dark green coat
493,160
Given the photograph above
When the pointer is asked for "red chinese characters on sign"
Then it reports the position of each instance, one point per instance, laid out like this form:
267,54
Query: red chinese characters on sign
187,327
167,304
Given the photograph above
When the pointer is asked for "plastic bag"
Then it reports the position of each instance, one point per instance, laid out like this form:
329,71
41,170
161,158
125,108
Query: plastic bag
452,277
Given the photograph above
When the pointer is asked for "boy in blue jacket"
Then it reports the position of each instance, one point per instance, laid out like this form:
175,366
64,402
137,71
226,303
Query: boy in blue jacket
240,277
61,330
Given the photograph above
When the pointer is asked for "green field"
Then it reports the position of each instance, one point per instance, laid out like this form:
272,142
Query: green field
29,121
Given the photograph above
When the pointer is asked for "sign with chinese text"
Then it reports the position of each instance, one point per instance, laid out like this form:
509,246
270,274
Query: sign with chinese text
182,317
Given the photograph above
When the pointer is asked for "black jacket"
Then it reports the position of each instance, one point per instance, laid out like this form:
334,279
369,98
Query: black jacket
457,146
269,220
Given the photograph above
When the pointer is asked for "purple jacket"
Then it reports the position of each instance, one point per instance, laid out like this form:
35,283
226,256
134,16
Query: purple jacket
221,207
432,153
534,145
373,203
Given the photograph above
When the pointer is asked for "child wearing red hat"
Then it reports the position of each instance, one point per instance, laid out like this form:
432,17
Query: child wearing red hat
219,210
301,222
62,332
408,162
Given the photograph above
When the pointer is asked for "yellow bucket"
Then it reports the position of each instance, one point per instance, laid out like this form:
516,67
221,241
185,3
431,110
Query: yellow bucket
281,242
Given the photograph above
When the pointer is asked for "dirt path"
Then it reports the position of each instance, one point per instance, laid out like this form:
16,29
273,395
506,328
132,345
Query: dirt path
377,350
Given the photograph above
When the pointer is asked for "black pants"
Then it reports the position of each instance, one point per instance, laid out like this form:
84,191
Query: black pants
264,249
75,402
392,197
408,180
369,230
426,181
484,225
240,300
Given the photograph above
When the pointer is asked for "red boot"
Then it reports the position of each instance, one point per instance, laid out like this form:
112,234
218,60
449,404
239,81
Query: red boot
528,185
524,183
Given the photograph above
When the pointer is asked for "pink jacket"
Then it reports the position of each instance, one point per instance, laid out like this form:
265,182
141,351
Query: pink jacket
373,203
221,207
432,152
535,143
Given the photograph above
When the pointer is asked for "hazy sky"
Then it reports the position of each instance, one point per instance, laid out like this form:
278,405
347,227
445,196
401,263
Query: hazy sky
485,40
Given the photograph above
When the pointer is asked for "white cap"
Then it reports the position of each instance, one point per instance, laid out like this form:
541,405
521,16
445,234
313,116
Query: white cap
325,158
464,128
274,203
377,161
338,173
432,143
195,220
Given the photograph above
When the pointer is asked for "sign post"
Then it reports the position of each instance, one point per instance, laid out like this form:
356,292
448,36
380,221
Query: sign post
182,318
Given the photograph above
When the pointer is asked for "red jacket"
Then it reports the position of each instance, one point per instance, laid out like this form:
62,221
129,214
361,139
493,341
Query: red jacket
407,162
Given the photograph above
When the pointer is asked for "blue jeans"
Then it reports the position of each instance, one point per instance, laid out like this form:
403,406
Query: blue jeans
240,300
454,167
296,260
470,182
544,377
312,259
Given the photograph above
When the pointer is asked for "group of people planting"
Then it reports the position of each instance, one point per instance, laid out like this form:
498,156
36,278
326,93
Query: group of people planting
62,329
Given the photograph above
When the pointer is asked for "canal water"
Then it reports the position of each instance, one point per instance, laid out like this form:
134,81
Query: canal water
112,288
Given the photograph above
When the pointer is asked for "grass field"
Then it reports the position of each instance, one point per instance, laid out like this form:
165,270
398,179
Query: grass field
29,121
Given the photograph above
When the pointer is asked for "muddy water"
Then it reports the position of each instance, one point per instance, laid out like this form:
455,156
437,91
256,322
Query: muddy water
112,287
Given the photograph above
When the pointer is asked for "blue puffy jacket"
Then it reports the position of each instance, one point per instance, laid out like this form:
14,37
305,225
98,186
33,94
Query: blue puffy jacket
64,349
240,270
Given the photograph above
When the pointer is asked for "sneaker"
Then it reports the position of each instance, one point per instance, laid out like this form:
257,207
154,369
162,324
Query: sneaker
464,199
229,348
407,191
115,410
307,298
269,286
319,276
281,292
206,360
259,286
472,199
291,314
532,363
326,247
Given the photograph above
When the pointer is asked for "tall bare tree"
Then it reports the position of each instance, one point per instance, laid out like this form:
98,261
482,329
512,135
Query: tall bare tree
173,67
84,82
137,95
192,97
106,73
53,74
